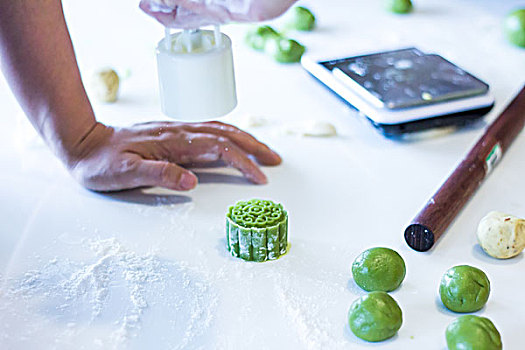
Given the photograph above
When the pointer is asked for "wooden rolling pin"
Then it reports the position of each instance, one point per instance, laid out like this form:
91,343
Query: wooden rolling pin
434,219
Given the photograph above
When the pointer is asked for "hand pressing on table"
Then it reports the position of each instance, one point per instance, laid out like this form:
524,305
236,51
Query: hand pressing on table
152,154
41,67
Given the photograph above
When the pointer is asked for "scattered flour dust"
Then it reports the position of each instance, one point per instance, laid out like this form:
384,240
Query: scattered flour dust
121,292
311,300
304,313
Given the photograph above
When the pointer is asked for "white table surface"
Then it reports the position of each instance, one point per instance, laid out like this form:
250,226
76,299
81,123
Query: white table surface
343,195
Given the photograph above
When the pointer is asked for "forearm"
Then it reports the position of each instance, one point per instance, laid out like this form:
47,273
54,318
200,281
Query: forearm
37,58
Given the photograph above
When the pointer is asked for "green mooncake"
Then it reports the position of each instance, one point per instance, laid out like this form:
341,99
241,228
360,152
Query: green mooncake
257,230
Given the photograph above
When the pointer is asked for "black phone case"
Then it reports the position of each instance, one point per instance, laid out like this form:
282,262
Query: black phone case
459,119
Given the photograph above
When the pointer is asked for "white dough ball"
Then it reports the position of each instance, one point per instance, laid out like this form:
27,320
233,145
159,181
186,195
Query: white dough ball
311,128
501,236
319,128
104,85
251,121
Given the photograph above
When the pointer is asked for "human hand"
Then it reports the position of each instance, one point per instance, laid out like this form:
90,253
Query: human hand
191,14
152,154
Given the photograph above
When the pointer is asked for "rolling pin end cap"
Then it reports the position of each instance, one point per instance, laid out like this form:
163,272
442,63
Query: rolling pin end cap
419,237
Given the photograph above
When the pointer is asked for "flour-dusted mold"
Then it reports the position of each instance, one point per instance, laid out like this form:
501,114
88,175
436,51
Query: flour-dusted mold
196,75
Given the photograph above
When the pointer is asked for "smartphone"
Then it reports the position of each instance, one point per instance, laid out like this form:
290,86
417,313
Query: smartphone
404,90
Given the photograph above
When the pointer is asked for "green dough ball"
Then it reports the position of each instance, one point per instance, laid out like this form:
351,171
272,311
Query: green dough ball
515,27
257,38
471,332
379,269
284,50
300,18
399,6
464,289
375,317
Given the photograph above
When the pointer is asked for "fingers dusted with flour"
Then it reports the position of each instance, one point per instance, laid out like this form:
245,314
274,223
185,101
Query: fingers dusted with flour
159,153
165,174
246,142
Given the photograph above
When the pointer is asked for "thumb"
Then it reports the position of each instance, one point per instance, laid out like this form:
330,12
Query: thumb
165,174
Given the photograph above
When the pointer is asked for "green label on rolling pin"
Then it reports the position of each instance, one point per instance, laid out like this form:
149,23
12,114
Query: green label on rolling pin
493,158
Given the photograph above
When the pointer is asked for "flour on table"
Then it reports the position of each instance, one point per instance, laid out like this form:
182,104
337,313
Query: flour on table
116,292
308,310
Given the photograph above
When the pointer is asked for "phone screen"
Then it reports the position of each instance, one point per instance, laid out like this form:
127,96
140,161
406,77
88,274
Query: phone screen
406,78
